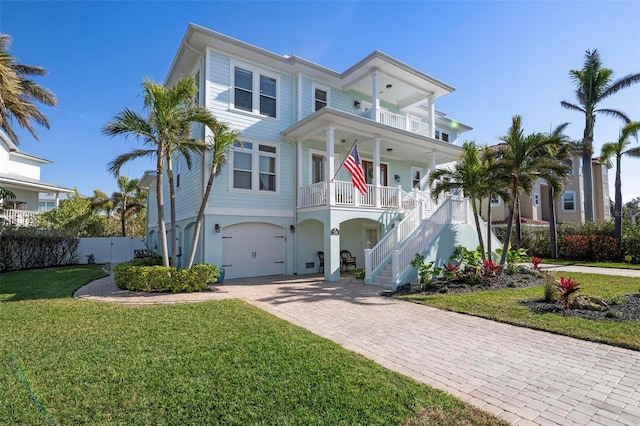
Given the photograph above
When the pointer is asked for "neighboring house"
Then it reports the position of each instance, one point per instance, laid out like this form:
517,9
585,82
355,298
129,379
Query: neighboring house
20,174
569,206
283,196
48,201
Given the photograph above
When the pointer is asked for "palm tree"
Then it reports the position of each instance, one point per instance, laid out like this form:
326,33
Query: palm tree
101,202
219,146
128,200
525,160
165,130
618,149
18,93
495,185
594,84
467,175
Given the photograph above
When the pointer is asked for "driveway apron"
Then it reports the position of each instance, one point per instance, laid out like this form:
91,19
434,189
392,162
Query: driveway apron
521,375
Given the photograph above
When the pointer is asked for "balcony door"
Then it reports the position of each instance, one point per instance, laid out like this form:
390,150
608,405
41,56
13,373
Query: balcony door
369,169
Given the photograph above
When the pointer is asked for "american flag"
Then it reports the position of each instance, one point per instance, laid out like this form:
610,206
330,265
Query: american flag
352,163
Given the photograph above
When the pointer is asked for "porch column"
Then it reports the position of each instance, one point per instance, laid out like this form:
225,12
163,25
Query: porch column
331,248
375,97
57,200
376,173
432,117
432,168
330,167
299,160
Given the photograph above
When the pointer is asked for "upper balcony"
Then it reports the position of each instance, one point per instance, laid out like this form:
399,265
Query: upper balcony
407,122
22,218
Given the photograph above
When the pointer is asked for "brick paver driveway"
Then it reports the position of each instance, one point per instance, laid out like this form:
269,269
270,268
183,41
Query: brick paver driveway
521,375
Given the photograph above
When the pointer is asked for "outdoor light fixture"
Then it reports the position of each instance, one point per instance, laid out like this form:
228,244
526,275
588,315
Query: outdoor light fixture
397,178
389,86
292,228
356,104
389,149
217,228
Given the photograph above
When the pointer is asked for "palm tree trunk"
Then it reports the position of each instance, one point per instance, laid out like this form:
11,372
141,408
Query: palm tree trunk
553,231
123,219
618,210
587,169
198,225
162,228
172,211
489,228
518,225
507,237
476,218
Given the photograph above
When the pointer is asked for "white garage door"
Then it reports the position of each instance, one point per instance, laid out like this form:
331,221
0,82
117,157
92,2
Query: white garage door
253,250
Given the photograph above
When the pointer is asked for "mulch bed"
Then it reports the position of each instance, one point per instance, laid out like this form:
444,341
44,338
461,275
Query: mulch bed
628,310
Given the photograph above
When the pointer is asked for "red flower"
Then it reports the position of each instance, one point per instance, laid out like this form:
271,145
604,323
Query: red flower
450,267
536,262
566,288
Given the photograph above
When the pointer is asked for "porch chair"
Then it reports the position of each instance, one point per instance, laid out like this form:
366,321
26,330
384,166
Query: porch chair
321,257
346,259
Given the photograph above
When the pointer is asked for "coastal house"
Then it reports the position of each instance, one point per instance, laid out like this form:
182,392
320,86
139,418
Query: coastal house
20,174
284,204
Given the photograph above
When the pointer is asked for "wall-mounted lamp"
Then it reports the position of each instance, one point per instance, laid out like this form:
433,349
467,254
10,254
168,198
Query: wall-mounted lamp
356,104
389,149
389,86
397,178
292,228
217,228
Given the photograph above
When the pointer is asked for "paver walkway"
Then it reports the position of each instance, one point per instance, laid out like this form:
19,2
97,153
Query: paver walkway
523,376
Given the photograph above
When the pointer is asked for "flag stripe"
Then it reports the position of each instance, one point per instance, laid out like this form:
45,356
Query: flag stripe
353,165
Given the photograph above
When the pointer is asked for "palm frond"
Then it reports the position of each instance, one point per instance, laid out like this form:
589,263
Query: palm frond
619,84
571,106
114,166
614,113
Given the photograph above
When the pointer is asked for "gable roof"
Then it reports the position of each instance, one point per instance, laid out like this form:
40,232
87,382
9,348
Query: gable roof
13,150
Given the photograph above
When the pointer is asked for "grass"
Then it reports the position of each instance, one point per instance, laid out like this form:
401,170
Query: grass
618,265
64,361
502,305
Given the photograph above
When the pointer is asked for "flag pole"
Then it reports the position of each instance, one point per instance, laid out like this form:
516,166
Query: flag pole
345,159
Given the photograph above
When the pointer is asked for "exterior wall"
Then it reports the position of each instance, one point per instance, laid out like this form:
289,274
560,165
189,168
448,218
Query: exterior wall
4,157
25,196
24,167
576,184
601,192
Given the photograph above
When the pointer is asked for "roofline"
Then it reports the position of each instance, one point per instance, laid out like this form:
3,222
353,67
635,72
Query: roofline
46,187
31,157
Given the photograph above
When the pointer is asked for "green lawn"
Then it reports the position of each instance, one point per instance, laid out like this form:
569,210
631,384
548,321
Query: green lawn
619,265
502,305
64,361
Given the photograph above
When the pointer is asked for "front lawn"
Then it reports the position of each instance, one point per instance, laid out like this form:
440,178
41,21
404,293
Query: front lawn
64,361
502,305
616,265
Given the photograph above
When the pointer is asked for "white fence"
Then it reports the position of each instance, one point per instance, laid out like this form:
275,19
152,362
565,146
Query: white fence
109,249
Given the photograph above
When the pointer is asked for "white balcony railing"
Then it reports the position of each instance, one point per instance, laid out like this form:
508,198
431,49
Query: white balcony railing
341,193
17,217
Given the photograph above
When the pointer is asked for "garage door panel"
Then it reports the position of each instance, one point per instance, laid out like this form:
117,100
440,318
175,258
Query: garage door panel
253,249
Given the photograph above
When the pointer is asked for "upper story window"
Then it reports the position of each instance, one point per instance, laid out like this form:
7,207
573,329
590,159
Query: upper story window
445,136
254,167
178,170
320,98
569,201
536,199
255,92
495,201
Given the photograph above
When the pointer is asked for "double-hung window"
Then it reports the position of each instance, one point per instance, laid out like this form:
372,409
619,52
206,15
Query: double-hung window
569,201
255,92
320,97
255,167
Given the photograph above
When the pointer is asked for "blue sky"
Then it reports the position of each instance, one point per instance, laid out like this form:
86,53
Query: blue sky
504,58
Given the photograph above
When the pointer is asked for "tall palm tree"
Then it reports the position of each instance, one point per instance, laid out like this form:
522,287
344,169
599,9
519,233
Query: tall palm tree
220,143
101,202
127,200
467,175
618,149
594,84
18,93
526,160
166,128
495,185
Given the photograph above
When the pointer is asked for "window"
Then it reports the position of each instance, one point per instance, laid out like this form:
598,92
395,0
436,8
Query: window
536,199
605,175
317,168
437,134
45,206
445,136
178,169
368,168
254,167
569,201
416,178
246,97
495,201
569,164
320,97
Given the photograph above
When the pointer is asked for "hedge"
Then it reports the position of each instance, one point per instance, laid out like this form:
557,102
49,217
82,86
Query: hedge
29,248
129,276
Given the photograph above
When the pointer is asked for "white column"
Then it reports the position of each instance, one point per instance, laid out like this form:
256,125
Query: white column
330,168
375,97
376,173
432,116
57,200
299,158
431,169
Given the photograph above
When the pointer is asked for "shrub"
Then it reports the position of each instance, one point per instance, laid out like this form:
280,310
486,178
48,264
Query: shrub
464,256
450,270
359,274
150,260
489,267
28,248
631,246
566,289
550,291
129,276
589,247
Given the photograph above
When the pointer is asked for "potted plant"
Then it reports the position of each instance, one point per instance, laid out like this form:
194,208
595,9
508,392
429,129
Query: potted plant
91,259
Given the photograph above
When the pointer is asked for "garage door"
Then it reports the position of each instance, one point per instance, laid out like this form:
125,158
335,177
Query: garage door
253,250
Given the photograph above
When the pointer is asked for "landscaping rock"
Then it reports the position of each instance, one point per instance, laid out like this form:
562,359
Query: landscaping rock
589,303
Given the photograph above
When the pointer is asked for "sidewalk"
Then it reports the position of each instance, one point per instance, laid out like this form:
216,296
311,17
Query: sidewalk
524,376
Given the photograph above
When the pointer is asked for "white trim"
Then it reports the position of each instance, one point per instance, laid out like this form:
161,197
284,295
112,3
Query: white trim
288,214
322,87
574,201
256,72
299,98
312,152
422,181
255,166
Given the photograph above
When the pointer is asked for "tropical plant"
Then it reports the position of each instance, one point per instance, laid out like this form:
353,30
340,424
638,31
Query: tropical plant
450,270
489,267
466,175
166,129
617,150
594,84
536,262
218,146
19,92
466,257
74,215
495,185
130,199
566,289
526,160
102,203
